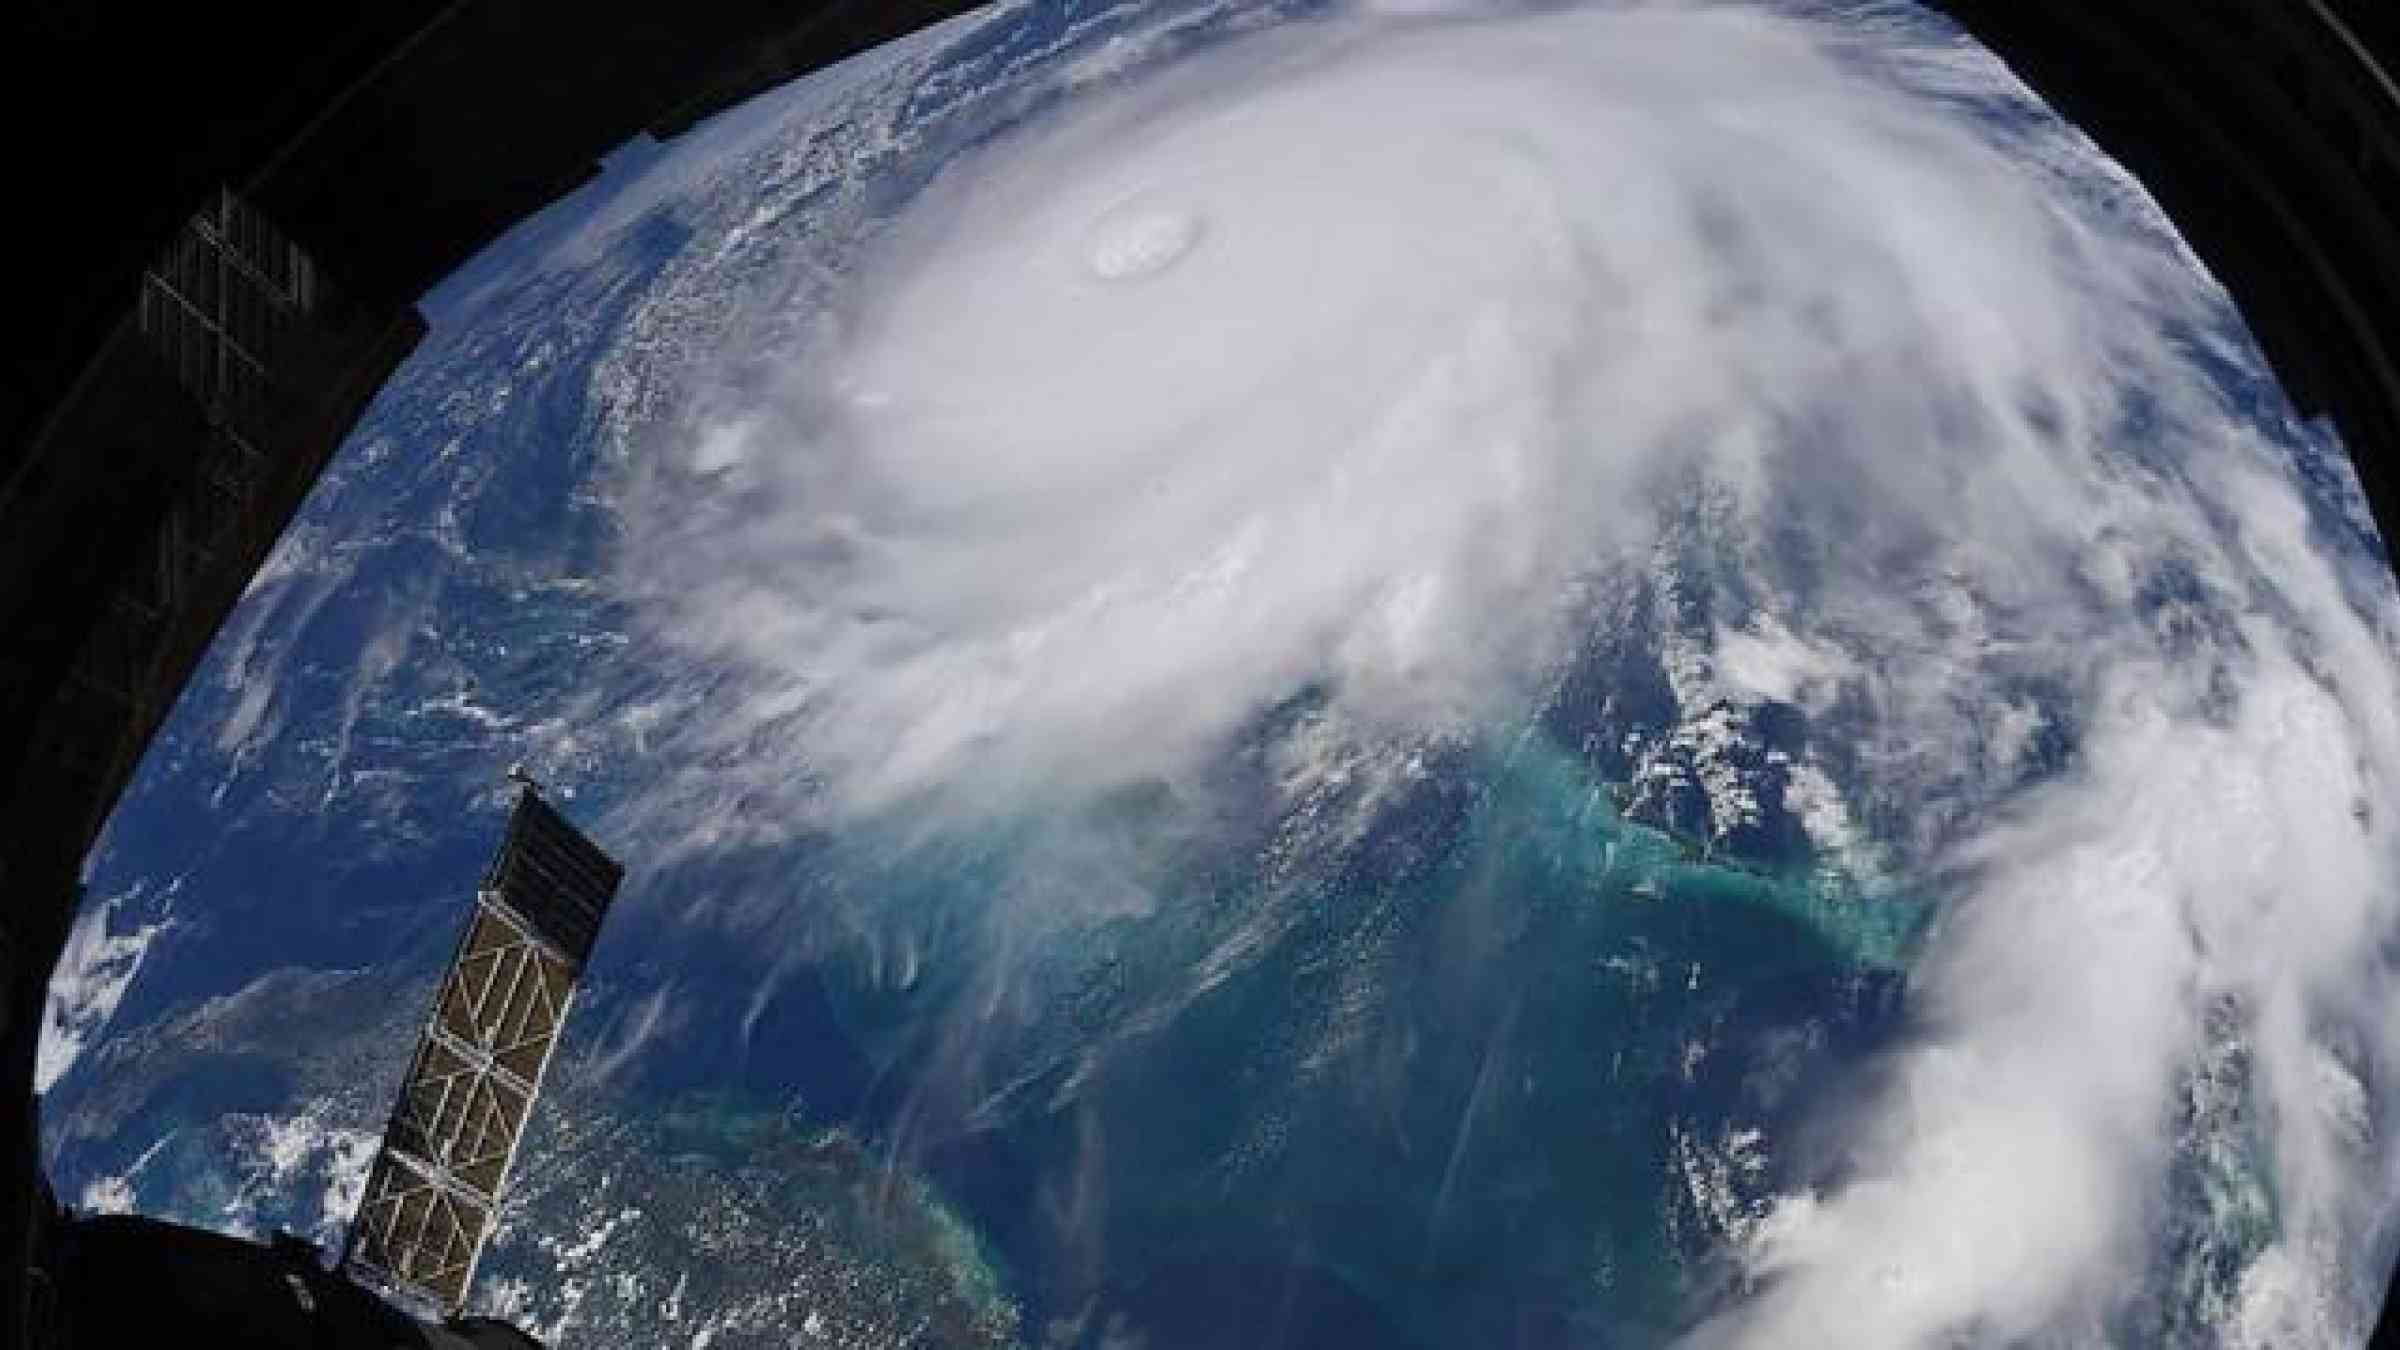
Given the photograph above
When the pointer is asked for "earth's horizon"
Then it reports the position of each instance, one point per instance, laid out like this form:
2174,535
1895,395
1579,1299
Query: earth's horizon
1293,673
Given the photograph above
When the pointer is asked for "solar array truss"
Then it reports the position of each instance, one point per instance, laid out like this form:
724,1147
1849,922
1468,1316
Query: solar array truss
436,1181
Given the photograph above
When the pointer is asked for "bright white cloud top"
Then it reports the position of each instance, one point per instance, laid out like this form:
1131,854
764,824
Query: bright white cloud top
1349,355
1633,672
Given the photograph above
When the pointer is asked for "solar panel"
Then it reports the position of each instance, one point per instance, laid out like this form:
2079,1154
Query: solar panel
436,1180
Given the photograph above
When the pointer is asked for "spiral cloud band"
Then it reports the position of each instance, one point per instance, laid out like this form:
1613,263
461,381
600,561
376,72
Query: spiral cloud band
1347,355
1338,357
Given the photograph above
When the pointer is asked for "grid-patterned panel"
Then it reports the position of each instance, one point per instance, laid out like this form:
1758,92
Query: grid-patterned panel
222,303
471,1085
415,1232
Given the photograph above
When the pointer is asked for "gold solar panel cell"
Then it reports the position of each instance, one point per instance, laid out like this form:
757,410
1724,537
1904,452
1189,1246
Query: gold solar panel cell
478,1066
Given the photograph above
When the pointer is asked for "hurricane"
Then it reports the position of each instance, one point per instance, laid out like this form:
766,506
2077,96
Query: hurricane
1350,356
1669,664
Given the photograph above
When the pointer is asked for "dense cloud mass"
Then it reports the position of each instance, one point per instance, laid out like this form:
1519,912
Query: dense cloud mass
1350,356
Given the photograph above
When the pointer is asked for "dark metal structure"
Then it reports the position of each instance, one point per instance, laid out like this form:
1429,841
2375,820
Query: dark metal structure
224,388
227,216
123,1280
471,1085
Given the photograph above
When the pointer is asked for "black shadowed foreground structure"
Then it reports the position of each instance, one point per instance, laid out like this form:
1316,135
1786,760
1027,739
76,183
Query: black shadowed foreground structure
224,221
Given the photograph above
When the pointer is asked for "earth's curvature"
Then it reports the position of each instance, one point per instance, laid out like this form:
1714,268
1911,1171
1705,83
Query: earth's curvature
1391,675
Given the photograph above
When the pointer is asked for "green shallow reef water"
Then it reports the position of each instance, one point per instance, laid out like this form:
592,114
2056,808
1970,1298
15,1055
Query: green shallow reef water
1502,1054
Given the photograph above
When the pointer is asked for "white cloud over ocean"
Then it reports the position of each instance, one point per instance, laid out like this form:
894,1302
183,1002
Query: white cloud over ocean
1345,356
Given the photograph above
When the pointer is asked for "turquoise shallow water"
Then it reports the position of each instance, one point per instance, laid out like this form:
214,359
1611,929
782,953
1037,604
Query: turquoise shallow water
1468,1070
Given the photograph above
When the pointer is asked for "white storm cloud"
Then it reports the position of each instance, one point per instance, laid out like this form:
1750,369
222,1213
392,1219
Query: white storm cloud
94,970
1338,356
1341,356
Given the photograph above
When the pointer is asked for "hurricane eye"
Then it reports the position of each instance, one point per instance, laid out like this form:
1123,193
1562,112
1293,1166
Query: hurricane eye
1140,239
